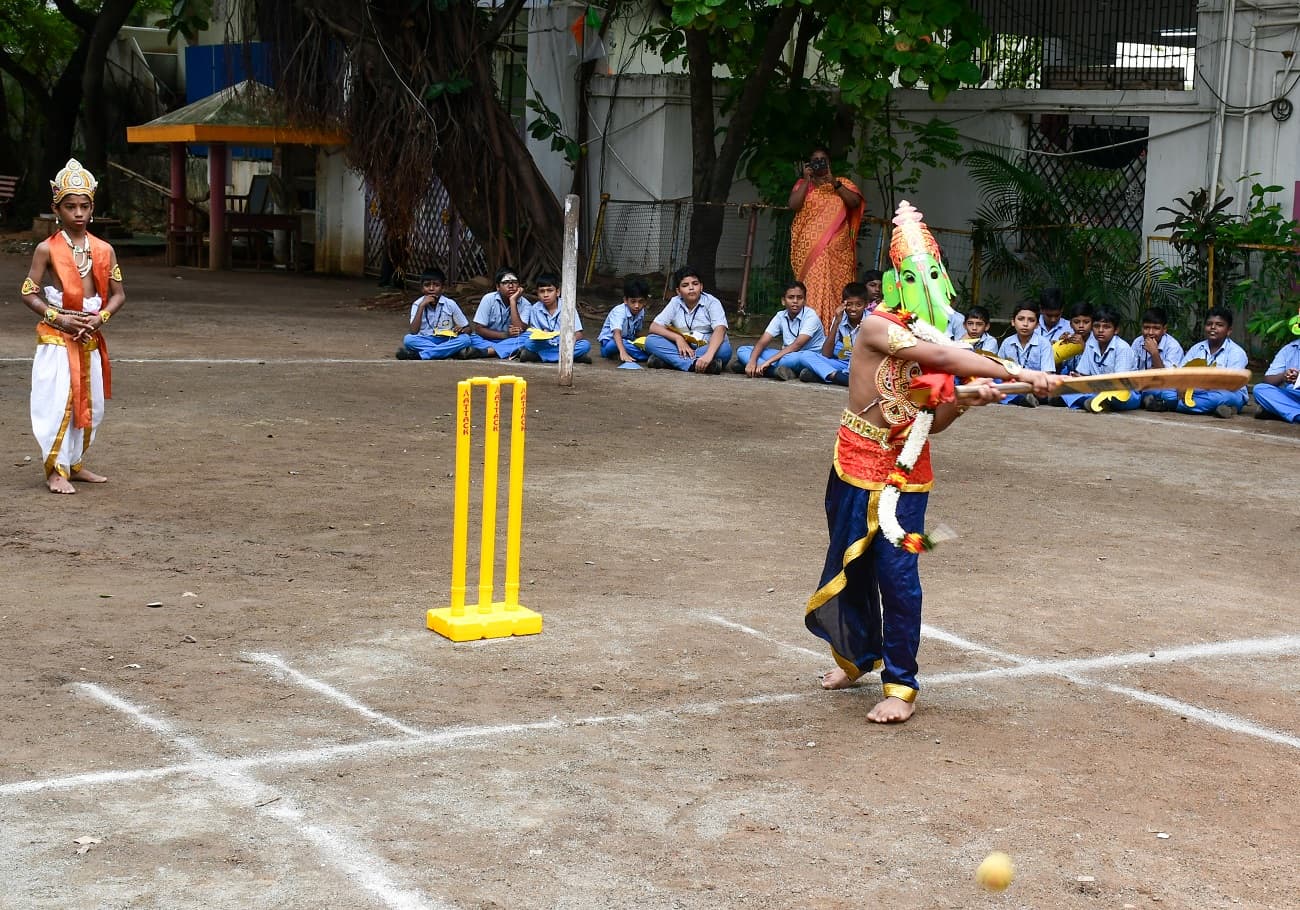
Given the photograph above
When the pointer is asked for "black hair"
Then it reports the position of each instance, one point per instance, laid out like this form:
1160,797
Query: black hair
686,271
855,289
872,275
433,274
503,272
1222,312
1024,305
1156,315
635,287
1106,314
795,284
1050,299
547,280
1083,308
978,312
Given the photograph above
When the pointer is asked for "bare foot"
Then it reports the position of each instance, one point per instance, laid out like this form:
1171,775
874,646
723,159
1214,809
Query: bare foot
86,476
836,679
59,484
891,710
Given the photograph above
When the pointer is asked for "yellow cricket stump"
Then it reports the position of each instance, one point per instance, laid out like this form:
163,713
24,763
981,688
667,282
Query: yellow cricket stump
487,618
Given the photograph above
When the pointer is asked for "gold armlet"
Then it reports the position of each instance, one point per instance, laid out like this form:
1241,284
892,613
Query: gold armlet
116,274
51,315
899,339
104,316
30,287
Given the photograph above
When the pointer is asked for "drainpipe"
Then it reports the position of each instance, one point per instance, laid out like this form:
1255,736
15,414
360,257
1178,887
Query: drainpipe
1221,112
1245,117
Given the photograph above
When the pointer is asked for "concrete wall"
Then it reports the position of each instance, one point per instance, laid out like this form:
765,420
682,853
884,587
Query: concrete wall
340,216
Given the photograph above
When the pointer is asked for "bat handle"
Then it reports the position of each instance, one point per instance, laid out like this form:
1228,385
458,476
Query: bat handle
1006,388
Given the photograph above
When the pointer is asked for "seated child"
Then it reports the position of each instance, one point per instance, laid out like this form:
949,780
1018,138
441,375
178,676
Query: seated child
1050,306
499,320
831,363
542,338
690,334
625,325
1155,348
438,328
976,334
1069,345
1217,350
1279,394
1027,348
874,281
1103,353
799,330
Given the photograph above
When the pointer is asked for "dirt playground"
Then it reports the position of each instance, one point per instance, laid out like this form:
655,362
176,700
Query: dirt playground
219,691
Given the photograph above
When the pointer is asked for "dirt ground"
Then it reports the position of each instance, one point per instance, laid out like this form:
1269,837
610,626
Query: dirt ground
1111,664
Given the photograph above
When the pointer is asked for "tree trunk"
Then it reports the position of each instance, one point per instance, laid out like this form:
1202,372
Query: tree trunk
112,16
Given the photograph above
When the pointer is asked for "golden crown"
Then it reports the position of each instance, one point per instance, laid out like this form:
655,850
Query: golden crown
73,180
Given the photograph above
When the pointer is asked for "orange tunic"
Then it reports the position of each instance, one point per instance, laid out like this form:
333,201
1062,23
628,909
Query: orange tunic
101,255
823,248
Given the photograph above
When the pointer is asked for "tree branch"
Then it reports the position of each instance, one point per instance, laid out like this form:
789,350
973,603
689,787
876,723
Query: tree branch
76,15
501,21
28,81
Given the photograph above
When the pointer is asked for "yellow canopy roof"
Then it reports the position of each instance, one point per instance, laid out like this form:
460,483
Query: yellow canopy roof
244,114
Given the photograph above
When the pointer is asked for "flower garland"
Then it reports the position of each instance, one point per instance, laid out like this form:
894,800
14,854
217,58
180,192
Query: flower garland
917,435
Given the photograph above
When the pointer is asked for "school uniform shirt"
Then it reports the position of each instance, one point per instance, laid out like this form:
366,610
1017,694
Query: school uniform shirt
1062,327
985,342
621,318
846,335
1036,355
443,316
785,330
1171,352
1118,358
494,312
537,317
700,322
1230,356
956,326
1288,358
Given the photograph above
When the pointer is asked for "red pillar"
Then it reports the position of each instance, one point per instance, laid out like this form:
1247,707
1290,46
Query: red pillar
217,154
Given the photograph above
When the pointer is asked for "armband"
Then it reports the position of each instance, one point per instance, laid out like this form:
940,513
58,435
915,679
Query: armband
104,316
900,338
30,287
51,315
116,274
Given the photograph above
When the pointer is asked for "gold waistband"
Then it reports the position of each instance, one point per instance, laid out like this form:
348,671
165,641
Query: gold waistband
865,428
90,344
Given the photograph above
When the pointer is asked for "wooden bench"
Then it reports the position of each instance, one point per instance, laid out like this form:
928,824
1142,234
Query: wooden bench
8,186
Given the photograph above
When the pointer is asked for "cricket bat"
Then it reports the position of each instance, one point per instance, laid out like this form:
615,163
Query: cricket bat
1138,381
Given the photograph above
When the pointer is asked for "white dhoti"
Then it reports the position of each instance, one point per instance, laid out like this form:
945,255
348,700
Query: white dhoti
63,446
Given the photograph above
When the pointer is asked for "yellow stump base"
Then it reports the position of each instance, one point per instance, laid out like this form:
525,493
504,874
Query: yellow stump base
497,621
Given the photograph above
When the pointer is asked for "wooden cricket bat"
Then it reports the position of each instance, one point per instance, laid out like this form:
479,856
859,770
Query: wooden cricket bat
1139,381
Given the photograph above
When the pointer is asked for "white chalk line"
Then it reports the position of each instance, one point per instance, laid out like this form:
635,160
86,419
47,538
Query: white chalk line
218,361
343,854
323,688
1071,670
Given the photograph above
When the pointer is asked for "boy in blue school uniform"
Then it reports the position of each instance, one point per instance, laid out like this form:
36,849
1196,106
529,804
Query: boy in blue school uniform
1070,344
976,331
831,364
1103,353
1050,307
625,324
1155,348
542,338
438,328
1278,396
799,332
1028,349
1217,350
690,334
499,320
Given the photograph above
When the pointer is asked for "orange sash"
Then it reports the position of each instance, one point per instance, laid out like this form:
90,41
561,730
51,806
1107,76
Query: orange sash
101,255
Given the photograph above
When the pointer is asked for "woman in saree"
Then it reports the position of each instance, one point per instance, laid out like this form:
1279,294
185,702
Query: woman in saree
823,238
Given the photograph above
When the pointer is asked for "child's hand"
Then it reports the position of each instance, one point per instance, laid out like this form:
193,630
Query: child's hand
626,357
1151,344
683,348
752,368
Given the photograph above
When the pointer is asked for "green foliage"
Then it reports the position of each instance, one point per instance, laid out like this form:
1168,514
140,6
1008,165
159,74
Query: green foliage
548,126
1254,257
450,87
1027,233
186,17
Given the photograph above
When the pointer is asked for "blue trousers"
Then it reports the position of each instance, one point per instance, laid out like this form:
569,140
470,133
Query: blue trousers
795,360
549,348
1080,402
503,346
1280,400
666,351
1206,400
609,349
869,608
824,366
432,347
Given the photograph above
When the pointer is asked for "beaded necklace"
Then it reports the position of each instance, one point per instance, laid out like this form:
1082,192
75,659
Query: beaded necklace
80,254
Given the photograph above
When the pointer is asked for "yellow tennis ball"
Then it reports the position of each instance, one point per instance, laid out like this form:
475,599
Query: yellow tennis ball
996,872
